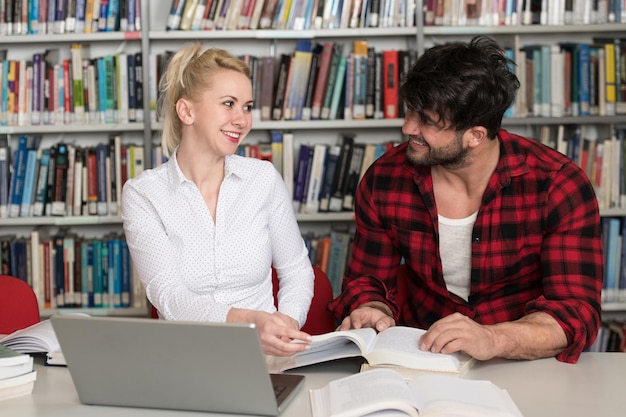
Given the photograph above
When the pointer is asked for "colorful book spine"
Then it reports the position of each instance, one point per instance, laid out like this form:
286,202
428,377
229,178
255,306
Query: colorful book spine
29,183
98,286
16,188
300,180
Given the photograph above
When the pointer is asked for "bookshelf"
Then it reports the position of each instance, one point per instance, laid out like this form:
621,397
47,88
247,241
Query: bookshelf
153,38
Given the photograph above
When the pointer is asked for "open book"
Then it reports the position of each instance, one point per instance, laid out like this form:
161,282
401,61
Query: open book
38,338
396,346
384,392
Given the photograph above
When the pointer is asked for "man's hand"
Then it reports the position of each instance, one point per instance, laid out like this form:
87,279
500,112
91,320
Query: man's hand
457,332
375,315
537,335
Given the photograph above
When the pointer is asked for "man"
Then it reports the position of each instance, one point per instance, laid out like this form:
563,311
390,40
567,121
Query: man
500,234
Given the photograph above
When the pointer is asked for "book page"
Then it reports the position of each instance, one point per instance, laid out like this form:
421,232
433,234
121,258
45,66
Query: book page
39,337
399,346
362,394
327,347
442,395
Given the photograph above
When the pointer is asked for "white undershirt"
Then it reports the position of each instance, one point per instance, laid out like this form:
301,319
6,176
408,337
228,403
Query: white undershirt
455,237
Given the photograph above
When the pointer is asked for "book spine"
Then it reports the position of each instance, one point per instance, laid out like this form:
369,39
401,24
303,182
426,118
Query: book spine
59,17
59,271
310,89
84,270
137,297
300,180
16,188
69,184
176,13
321,83
330,172
331,80
5,174
29,180
316,178
80,15
61,166
352,179
338,88
390,86
336,199
98,286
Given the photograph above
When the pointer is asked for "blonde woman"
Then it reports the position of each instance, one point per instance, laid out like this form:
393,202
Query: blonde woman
205,228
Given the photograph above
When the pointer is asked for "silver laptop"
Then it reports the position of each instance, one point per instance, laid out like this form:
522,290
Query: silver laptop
134,362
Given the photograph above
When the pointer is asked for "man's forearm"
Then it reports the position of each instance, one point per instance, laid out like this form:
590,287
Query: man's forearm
537,335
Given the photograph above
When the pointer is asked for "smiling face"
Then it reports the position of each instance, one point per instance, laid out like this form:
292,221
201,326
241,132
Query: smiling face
221,117
431,143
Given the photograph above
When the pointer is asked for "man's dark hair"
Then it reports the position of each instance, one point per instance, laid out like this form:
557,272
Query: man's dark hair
464,84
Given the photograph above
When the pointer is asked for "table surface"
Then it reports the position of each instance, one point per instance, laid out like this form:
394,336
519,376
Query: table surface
595,386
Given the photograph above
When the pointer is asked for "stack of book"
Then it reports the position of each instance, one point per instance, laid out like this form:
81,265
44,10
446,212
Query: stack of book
17,376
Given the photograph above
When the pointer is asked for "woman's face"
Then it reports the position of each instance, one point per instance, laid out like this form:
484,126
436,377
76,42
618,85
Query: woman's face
222,117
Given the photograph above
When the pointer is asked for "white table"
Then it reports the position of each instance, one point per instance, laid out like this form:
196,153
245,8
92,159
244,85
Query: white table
594,387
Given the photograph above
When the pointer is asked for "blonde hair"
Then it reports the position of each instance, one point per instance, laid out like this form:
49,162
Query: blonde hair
188,74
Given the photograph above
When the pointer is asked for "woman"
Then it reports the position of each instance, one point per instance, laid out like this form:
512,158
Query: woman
205,228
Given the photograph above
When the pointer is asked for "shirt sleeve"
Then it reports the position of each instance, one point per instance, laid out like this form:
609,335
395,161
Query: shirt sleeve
572,261
155,258
290,256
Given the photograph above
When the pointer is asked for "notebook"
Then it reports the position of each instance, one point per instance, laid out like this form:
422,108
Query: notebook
135,362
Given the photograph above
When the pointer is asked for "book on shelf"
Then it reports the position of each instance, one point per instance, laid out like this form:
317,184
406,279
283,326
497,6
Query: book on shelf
333,76
5,176
284,68
302,168
390,83
385,392
352,176
295,91
310,87
335,203
337,258
316,179
330,173
338,89
266,101
397,345
16,186
31,174
360,68
321,83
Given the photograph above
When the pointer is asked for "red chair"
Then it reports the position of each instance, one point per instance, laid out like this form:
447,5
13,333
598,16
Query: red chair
319,320
18,305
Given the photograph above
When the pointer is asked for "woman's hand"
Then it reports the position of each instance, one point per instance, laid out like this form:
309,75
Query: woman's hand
276,331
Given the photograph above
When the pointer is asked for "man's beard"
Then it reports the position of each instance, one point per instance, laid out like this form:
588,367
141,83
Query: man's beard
452,155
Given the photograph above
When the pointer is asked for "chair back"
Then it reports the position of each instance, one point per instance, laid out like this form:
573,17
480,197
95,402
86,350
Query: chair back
319,320
18,305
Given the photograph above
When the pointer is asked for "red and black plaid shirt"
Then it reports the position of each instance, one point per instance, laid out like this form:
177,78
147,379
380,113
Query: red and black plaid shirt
536,244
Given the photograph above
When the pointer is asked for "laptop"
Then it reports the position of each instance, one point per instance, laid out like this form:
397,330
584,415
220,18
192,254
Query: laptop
135,362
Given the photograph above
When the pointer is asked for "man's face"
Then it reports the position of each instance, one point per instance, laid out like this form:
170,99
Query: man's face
431,143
